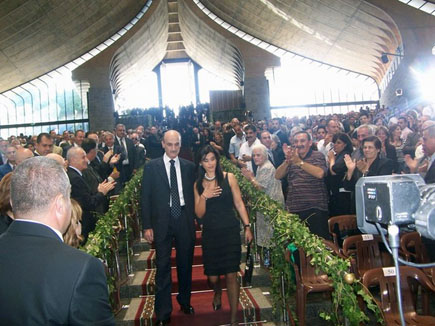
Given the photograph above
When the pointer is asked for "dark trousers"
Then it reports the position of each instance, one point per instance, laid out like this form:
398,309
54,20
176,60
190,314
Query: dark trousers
179,231
316,220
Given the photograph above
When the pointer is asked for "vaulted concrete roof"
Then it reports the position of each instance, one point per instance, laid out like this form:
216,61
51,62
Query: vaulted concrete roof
351,34
37,36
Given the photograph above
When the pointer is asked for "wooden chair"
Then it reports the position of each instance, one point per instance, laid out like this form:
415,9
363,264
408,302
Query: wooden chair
342,224
308,281
386,280
414,250
366,253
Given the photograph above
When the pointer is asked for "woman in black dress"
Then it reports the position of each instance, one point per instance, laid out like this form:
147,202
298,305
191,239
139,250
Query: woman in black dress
216,196
339,199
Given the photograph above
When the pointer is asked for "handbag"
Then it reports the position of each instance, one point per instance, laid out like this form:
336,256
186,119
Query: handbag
249,267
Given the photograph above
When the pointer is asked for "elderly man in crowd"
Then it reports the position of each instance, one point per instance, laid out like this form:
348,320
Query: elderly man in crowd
306,194
89,201
22,155
44,281
235,143
325,145
10,161
245,152
362,132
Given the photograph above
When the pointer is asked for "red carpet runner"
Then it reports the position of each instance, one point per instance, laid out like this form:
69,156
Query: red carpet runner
201,298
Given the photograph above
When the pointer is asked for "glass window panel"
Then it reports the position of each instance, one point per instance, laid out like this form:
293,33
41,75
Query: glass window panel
62,128
37,130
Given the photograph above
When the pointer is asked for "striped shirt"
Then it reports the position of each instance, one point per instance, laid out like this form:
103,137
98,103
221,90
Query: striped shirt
304,190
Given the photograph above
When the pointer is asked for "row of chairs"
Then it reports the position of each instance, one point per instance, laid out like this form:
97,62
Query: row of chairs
369,259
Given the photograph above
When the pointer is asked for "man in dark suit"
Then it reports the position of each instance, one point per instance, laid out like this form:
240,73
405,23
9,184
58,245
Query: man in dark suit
126,165
167,214
276,125
44,281
10,162
3,146
139,150
89,201
429,151
153,144
44,144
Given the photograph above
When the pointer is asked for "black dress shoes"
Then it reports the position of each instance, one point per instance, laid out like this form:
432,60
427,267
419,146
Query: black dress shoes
163,322
187,309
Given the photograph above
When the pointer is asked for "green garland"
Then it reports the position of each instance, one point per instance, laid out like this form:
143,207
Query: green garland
105,236
288,227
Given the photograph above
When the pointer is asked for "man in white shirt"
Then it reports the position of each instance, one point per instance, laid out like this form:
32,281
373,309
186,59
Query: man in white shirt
245,152
326,144
236,141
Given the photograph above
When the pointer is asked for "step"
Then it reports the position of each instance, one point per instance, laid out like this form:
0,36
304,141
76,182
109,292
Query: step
143,245
201,301
146,259
139,285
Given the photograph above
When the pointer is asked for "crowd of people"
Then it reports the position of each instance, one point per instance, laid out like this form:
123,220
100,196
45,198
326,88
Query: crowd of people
310,165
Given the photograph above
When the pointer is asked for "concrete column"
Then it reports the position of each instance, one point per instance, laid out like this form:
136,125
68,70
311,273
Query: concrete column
100,100
257,96
101,108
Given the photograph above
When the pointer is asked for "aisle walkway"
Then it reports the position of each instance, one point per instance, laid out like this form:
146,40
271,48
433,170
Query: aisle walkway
253,309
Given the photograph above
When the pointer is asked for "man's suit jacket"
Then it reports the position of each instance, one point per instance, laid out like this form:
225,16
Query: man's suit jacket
4,169
430,174
156,196
153,146
131,155
89,201
46,282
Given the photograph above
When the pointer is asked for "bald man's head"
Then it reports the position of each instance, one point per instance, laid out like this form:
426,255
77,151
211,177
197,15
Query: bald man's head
22,154
58,159
171,143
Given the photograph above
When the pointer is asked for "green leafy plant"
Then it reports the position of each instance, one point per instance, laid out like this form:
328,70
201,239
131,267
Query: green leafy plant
289,228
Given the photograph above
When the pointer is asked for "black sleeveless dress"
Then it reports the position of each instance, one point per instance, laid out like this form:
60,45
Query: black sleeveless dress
221,242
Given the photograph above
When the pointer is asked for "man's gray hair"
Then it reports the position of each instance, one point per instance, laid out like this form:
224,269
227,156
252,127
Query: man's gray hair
35,183
72,152
108,134
371,129
431,131
262,148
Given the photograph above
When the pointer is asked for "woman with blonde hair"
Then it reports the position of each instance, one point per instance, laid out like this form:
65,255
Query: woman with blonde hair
6,215
73,235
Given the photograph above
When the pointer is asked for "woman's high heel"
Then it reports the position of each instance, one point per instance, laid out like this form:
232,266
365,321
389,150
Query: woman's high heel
217,306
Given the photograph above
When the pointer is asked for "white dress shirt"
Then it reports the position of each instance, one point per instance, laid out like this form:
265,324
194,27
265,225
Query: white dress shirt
37,222
167,162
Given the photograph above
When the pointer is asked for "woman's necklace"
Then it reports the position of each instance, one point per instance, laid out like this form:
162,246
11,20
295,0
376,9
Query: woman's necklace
209,178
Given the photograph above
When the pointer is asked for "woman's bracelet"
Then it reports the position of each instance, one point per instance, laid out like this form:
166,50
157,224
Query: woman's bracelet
247,226
203,196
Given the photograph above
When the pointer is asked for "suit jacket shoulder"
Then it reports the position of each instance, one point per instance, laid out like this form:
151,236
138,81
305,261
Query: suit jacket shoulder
430,174
61,278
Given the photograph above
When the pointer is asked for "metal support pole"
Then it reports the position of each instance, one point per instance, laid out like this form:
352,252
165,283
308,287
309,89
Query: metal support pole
284,310
129,267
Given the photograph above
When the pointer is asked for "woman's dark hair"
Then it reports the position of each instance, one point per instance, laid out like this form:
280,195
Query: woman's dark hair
373,139
391,131
345,139
321,127
385,130
201,171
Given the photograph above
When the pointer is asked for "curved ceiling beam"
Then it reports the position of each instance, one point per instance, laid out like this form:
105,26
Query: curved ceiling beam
341,33
39,36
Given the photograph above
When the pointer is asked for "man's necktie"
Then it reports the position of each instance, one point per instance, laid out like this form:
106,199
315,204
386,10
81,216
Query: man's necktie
176,207
270,154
